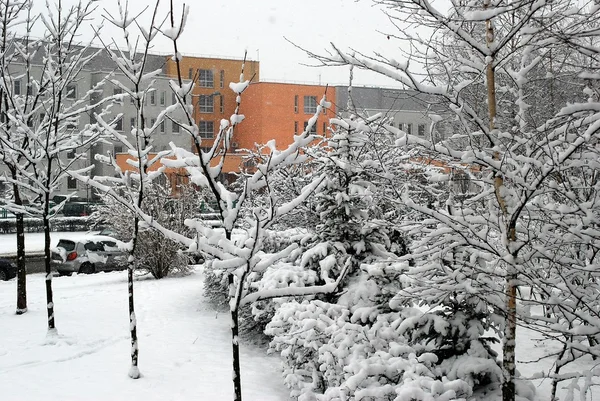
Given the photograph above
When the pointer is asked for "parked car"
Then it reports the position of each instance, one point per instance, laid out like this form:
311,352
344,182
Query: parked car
8,270
71,209
112,233
88,255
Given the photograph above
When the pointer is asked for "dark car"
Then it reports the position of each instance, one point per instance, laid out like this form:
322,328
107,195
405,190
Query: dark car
8,270
71,209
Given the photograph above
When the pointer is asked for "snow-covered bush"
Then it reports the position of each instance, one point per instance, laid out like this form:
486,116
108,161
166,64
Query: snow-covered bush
154,253
329,355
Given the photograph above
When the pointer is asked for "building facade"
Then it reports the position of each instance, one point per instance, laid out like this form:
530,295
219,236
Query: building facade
211,97
405,109
279,111
273,110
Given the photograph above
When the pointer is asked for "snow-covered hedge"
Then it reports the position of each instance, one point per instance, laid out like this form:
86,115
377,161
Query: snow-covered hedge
74,223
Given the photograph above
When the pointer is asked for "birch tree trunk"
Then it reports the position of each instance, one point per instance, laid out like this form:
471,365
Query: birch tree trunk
134,371
508,341
235,345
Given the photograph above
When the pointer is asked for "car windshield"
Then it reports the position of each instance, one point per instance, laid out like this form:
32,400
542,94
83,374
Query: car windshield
66,244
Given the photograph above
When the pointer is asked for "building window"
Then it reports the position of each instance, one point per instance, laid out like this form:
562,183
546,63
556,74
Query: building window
132,123
152,122
324,127
313,129
421,129
163,98
16,88
295,127
162,127
191,73
118,149
221,104
310,104
409,129
153,98
175,128
296,104
71,125
222,79
71,154
116,92
173,98
206,129
206,104
71,91
205,79
119,124
71,183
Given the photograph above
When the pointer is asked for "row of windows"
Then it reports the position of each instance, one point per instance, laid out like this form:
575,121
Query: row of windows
206,78
313,129
310,104
408,128
70,90
206,128
205,102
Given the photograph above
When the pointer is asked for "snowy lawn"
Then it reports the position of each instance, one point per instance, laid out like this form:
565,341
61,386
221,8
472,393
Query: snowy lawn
185,350
34,242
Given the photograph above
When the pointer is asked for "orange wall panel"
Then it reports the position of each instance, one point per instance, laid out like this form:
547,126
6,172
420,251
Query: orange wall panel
270,112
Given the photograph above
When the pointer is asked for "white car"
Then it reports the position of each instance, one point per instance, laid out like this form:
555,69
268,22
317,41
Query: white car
89,255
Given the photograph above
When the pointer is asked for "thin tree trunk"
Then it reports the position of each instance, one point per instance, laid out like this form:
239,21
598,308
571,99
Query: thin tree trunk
510,337
134,371
49,301
510,329
21,268
235,346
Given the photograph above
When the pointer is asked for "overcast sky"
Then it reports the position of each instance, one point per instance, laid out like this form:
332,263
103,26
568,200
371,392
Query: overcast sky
228,27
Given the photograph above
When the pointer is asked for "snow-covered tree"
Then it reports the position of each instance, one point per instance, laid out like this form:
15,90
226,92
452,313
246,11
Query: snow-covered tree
14,13
238,255
533,223
46,118
129,186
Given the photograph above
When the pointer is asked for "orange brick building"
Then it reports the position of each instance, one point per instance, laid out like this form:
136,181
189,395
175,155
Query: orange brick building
279,111
272,110
212,98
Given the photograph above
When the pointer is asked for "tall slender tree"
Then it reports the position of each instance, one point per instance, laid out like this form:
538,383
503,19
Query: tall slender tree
42,118
14,13
129,187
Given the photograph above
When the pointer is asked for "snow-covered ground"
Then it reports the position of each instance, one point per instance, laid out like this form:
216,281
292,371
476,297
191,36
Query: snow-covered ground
185,350
185,347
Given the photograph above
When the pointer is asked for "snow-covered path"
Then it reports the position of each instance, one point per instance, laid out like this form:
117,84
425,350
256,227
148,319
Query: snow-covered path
185,350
